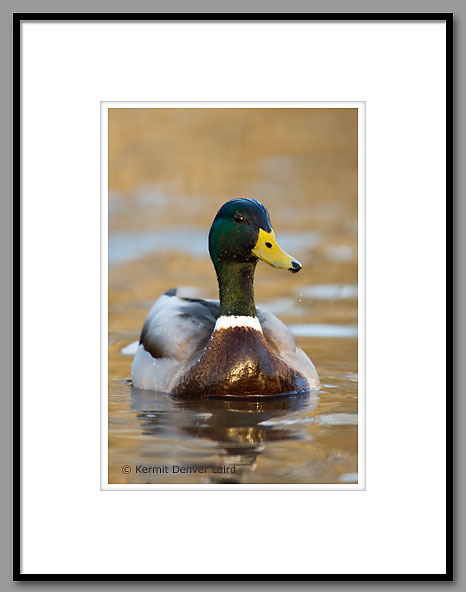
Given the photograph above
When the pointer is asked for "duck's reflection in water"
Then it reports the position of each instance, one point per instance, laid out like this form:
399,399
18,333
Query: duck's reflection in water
237,426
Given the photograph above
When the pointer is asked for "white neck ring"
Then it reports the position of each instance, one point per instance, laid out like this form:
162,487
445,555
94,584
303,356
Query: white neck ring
228,322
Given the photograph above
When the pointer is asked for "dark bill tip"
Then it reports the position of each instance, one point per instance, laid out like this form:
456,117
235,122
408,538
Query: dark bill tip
296,267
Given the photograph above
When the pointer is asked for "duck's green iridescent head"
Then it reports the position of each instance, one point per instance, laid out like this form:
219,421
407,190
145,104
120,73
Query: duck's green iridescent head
242,233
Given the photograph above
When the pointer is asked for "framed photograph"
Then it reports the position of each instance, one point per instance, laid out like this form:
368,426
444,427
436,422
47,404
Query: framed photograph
233,238
226,428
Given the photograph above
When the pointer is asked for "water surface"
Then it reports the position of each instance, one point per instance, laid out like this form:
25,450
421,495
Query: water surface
306,439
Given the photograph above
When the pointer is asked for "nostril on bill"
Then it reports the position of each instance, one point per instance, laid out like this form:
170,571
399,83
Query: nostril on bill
296,267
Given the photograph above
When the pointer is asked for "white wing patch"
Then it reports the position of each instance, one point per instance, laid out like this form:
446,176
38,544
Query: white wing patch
130,349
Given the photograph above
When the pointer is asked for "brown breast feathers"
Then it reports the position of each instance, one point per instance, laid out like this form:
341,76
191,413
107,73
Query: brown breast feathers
237,362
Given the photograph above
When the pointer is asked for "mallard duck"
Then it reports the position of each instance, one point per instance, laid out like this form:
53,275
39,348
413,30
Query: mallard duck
191,347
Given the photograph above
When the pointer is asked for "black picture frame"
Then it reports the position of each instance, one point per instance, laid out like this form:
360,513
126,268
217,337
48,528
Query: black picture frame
17,20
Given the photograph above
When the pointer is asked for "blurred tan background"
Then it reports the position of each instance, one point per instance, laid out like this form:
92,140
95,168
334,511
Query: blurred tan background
286,158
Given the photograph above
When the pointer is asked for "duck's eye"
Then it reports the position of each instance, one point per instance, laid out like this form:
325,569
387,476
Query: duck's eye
237,217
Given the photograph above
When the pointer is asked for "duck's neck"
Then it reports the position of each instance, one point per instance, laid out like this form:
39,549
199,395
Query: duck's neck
236,287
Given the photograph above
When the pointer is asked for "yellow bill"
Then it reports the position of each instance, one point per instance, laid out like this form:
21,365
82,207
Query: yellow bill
268,250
